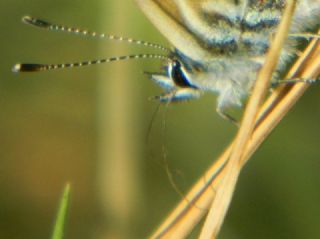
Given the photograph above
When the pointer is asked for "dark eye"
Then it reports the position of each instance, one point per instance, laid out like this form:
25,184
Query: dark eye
178,75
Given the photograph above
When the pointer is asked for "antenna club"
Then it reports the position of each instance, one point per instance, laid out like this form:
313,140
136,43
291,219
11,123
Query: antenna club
28,67
35,22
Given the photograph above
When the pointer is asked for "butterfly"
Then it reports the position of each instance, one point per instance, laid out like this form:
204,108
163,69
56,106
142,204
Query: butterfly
218,46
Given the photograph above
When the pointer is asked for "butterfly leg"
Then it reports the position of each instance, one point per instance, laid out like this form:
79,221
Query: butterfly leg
163,81
182,94
227,117
294,80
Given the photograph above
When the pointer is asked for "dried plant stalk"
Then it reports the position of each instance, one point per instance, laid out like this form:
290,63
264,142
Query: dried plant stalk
190,210
222,200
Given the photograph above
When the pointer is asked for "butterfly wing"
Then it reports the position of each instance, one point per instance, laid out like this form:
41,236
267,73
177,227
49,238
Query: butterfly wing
167,17
202,29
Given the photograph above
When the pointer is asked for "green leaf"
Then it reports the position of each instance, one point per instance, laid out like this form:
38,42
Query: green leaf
58,229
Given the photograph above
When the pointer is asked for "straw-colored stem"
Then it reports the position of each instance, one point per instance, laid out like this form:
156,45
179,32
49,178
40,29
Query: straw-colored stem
222,200
190,211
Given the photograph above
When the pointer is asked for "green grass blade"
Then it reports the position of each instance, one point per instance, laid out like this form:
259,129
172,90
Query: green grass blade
58,229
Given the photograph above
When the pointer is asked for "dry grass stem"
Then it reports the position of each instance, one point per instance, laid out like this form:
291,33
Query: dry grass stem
190,210
223,197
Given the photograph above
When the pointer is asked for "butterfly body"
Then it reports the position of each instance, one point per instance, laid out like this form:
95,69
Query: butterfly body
222,44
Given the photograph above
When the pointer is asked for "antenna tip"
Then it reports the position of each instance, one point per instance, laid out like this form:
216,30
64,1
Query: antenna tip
16,68
28,67
26,18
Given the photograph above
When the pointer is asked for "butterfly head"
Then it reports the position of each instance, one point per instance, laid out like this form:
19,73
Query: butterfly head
176,79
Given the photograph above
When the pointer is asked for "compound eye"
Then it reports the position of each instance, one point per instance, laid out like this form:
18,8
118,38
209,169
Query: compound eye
178,75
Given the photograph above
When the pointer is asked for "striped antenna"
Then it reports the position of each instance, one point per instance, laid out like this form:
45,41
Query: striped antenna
33,67
73,30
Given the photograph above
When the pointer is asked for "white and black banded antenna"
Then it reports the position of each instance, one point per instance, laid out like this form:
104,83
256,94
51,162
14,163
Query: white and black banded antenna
77,31
33,67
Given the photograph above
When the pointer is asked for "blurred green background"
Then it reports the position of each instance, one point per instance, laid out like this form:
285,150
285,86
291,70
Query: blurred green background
89,127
